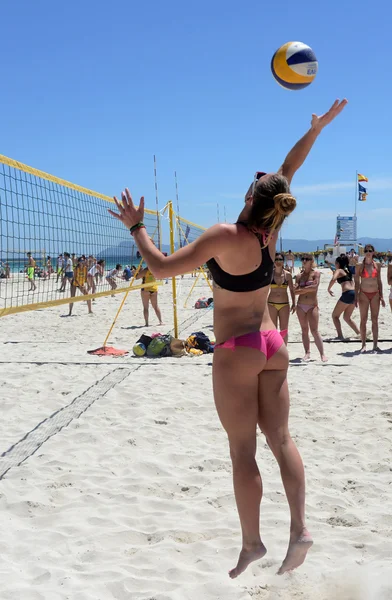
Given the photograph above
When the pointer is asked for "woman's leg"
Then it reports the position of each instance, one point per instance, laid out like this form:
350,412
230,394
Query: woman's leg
337,311
273,314
283,317
363,303
274,405
73,294
154,304
303,321
235,382
347,317
85,293
145,301
374,311
313,316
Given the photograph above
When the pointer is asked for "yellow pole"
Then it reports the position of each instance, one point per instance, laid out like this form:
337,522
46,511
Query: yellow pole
174,288
192,288
116,317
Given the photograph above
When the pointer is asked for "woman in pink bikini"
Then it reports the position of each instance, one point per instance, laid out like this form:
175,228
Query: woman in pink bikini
368,294
250,359
306,287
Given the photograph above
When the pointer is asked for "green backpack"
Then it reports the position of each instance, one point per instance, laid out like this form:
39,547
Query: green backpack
159,346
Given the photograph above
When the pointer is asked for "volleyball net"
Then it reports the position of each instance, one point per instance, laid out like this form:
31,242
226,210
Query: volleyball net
187,233
47,225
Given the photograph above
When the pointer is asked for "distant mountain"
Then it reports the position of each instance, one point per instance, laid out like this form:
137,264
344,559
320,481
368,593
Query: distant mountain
381,245
125,249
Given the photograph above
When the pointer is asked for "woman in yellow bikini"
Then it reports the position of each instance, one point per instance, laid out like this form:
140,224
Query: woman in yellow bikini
149,295
278,299
31,272
79,282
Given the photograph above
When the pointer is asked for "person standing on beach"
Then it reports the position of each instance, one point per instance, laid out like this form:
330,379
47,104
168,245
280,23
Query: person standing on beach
149,295
389,276
250,358
96,269
68,271
79,283
346,303
31,264
278,300
306,287
352,261
59,267
368,294
290,262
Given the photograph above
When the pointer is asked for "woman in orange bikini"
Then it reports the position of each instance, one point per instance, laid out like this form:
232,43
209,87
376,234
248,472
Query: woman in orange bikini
250,359
368,294
306,287
278,299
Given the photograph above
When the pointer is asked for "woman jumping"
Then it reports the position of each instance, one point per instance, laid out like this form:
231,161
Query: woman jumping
306,287
368,294
346,303
278,300
250,359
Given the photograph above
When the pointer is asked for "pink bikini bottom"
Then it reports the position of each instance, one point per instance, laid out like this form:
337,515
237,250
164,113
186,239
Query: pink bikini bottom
267,342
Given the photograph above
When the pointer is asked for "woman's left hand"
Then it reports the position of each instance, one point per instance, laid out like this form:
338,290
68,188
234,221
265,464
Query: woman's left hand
129,215
330,293
382,302
293,309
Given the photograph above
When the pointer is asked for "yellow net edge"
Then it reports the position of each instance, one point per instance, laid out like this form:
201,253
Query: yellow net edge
15,164
12,310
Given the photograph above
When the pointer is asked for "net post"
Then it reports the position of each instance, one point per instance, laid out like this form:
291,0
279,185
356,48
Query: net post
174,287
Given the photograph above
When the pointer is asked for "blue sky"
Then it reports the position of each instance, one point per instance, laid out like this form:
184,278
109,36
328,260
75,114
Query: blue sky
92,90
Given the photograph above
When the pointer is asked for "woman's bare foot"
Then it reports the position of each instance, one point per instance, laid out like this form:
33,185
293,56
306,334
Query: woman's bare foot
306,358
324,358
363,349
296,552
246,557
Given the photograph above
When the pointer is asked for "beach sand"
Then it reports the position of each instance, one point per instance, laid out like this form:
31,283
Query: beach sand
124,489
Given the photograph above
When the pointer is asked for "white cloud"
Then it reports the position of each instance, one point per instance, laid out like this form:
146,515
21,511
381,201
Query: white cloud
334,186
316,189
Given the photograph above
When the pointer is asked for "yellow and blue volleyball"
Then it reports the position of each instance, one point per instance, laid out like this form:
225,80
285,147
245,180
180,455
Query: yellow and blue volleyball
294,65
139,349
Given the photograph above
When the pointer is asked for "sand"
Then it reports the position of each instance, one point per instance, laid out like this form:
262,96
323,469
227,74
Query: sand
125,487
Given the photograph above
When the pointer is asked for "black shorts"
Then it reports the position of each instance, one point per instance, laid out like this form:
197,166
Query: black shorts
348,297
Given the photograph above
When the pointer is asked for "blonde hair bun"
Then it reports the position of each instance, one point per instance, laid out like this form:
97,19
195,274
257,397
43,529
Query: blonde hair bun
284,204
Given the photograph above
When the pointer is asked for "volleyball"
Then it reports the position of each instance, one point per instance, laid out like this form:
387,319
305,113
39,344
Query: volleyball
294,65
139,349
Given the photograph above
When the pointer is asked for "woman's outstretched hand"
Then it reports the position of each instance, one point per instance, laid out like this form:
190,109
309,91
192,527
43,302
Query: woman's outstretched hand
129,215
318,123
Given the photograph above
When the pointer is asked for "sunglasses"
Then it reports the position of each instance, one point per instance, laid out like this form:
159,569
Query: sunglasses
257,176
305,259
369,251
278,259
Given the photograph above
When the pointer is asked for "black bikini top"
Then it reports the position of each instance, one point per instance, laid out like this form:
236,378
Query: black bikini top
344,278
249,282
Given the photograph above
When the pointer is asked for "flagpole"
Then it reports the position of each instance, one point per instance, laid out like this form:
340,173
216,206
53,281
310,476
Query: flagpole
355,209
